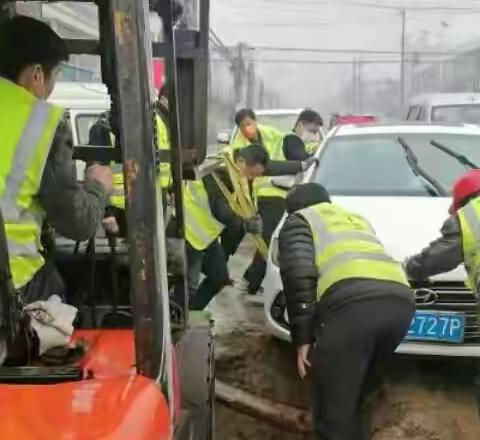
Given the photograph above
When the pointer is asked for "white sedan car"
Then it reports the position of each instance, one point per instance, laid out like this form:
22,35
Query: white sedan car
365,169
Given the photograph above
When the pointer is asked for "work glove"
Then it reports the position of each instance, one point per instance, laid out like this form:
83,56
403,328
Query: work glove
110,225
254,225
175,259
306,164
52,321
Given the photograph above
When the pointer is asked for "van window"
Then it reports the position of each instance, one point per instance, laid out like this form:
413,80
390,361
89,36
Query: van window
422,114
413,113
83,124
457,114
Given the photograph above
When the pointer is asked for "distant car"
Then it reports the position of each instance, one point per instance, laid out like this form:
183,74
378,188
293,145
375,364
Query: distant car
354,119
281,119
446,108
364,167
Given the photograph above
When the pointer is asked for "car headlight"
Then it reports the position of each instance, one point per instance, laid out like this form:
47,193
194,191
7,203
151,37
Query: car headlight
274,252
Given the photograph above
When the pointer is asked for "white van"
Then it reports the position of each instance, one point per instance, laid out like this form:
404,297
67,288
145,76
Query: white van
446,108
83,103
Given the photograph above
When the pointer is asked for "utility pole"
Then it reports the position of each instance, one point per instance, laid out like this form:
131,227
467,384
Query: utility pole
354,85
402,59
359,86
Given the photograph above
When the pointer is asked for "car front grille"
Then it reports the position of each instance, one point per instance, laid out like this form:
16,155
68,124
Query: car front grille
455,297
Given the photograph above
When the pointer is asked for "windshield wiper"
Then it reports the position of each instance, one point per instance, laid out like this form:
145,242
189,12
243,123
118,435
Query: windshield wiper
418,170
464,160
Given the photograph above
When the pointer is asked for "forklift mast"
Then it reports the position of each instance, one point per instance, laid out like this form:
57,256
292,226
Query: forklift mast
126,50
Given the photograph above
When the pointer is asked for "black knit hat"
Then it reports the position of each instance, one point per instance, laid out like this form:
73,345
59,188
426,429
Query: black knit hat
305,195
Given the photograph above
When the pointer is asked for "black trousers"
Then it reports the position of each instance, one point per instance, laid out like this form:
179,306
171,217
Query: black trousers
271,209
46,282
230,239
352,343
212,263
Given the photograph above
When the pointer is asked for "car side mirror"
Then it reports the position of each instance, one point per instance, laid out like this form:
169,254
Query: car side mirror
284,182
223,138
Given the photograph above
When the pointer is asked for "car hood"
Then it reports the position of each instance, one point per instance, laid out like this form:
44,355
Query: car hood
405,225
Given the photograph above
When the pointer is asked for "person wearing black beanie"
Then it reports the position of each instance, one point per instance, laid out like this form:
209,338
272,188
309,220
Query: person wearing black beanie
348,302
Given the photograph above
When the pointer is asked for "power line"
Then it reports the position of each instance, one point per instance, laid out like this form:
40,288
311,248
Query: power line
361,62
365,51
373,5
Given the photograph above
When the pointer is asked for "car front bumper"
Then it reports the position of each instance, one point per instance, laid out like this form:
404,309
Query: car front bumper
273,287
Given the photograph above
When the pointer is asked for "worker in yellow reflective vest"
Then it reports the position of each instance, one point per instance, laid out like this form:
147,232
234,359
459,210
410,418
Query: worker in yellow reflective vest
101,135
305,137
38,178
270,199
207,213
349,305
460,237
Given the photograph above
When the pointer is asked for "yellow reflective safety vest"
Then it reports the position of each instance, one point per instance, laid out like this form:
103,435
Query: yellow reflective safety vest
117,198
311,147
469,217
164,179
201,227
346,247
163,140
27,129
272,140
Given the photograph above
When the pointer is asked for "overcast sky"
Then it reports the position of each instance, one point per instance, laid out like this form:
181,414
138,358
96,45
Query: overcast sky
339,24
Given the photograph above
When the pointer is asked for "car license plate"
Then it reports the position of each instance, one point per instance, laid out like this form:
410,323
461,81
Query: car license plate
437,326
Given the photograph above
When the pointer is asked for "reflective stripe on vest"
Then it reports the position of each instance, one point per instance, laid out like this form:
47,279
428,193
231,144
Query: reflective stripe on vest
469,217
201,227
26,136
164,179
263,186
346,247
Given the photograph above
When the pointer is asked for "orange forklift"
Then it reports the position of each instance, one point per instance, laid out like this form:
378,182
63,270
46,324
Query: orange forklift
147,369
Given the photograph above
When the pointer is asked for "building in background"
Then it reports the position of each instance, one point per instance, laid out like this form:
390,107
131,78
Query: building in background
459,72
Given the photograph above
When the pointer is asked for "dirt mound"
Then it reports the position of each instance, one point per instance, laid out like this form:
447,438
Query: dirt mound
418,401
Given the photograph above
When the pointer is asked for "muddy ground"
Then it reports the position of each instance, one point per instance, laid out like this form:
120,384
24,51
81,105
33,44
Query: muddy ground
418,399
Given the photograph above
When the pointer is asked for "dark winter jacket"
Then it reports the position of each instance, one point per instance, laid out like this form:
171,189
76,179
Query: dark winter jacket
75,210
300,277
294,148
219,205
442,255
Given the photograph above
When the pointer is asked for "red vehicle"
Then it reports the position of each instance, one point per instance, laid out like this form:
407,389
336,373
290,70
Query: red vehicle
353,119
147,370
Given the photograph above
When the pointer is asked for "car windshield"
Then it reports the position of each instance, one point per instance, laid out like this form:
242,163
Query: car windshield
282,122
457,114
375,165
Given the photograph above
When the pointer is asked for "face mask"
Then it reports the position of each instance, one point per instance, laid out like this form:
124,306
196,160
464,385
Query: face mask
250,132
310,138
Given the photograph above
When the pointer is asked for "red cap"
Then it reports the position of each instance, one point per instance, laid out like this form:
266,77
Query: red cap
465,187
